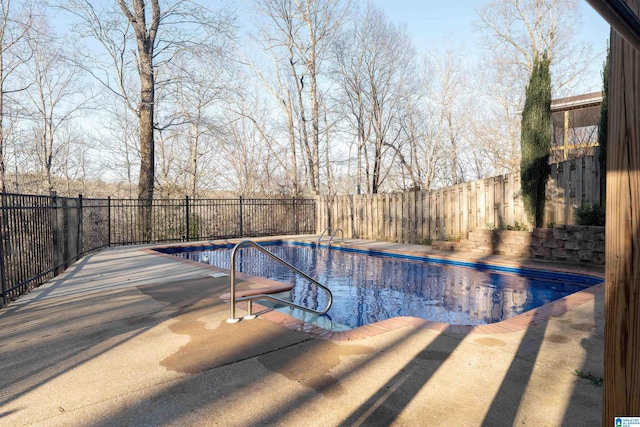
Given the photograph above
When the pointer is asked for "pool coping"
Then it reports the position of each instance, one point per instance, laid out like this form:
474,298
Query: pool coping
514,324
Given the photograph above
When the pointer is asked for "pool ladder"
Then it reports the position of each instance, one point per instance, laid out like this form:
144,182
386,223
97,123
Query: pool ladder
332,235
232,296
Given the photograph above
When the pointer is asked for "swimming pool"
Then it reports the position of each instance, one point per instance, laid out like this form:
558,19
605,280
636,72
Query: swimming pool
369,286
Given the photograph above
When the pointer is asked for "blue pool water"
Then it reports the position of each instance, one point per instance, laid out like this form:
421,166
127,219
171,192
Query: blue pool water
372,286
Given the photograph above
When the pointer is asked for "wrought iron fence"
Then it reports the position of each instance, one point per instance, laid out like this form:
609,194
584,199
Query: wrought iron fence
42,235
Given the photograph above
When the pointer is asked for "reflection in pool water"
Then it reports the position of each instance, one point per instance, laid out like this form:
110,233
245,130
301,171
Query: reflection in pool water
369,288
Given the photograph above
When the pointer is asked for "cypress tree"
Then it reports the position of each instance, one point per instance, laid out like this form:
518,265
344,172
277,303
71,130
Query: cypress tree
535,140
603,128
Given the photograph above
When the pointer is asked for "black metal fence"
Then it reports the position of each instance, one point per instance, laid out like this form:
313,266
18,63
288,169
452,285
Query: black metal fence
42,235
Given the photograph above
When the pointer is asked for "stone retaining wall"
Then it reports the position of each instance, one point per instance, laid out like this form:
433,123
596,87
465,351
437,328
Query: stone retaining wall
571,243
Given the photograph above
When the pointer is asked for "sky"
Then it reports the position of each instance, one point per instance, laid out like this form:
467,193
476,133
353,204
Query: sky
452,21
434,20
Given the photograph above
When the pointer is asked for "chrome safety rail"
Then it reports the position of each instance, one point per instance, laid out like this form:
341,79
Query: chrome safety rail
321,235
232,296
334,235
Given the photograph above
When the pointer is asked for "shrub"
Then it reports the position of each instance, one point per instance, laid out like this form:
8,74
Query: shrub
535,140
517,227
588,214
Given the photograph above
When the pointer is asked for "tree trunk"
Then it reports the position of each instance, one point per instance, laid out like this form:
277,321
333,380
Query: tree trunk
145,39
304,136
147,146
454,150
293,171
622,265
3,186
315,136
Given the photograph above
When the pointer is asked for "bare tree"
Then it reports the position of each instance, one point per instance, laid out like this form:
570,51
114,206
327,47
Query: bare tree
54,95
74,160
518,31
115,31
145,36
251,170
119,139
15,21
299,35
17,156
199,98
159,31
515,32
422,126
373,66
495,124
453,107
279,74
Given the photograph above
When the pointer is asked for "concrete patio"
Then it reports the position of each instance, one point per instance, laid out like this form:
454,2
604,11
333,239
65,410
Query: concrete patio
126,337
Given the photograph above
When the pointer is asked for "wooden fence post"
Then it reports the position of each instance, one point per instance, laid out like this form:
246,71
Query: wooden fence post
622,241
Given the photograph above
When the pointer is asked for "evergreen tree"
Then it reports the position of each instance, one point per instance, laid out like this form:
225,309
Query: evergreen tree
603,128
535,141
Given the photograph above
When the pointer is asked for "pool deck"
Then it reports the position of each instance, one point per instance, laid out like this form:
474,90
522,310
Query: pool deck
128,337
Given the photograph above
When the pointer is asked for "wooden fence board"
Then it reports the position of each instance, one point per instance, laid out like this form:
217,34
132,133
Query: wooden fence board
420,237
579,190
441,232
399,224
566,181
482,203
387,214
512,215
466,208
371,214
392,218
490,204
417,216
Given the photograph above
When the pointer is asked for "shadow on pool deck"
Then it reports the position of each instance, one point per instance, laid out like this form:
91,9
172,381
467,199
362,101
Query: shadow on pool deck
161,353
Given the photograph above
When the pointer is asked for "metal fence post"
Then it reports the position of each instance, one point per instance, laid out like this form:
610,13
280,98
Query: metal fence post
58,251
296,226
241,226
80,228
109,221
3,232
314,209
186,199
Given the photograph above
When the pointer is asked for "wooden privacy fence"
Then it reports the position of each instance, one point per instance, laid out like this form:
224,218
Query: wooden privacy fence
451,212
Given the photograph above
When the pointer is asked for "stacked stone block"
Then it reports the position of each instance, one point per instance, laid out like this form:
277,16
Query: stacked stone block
570,243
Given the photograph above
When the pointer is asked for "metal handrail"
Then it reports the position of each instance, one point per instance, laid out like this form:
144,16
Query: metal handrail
323,231
341,235
232,314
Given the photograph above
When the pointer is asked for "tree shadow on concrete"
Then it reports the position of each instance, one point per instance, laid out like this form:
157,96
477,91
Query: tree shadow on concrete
308,362
590,375
47,339
213,374
386,404
507,400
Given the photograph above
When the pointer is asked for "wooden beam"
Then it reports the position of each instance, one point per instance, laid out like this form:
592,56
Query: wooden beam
622,247
622,17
